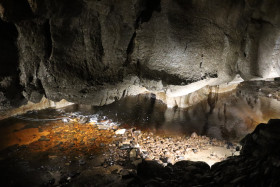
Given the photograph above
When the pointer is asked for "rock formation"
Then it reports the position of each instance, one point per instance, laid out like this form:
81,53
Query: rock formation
96,52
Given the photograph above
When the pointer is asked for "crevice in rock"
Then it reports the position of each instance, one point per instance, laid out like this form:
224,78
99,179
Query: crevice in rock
48,39
39,84
145,16
166,78
124,93
41,88
101,51
130,49
261,22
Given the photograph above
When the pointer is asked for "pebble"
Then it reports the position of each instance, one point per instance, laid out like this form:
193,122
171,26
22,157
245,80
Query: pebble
133,154
194,135
103,127
65,120
269,95
82,162
120,131
102,145
170,160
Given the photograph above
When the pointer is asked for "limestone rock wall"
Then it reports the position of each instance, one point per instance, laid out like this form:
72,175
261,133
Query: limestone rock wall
98,51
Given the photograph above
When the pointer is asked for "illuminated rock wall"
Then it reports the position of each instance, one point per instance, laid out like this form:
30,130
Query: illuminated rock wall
96,52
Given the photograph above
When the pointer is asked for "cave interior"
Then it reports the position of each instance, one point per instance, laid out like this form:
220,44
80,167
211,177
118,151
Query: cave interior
139,93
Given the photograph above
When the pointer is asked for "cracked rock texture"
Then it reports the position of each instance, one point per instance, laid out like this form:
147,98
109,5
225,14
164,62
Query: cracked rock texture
98,51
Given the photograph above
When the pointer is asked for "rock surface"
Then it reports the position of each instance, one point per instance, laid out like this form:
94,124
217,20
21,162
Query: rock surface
96,52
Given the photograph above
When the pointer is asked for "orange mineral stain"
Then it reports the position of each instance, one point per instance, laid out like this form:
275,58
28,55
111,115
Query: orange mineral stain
20,137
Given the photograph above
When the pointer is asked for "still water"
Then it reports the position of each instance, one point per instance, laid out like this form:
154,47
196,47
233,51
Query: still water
228,116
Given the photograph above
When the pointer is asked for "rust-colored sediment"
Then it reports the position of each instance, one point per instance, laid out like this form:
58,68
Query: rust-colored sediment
56,135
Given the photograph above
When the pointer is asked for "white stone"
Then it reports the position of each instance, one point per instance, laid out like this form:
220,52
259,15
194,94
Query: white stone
65,120
120,131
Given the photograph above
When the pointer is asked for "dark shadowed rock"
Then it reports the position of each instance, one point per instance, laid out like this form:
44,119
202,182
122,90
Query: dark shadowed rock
10,88
264,140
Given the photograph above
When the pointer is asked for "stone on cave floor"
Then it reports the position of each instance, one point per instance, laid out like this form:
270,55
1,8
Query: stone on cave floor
120,131
194,135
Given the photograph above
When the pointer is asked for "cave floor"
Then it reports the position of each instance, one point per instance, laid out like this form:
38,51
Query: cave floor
58,153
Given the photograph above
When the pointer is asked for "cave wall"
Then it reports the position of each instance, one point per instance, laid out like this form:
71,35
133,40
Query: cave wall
98,51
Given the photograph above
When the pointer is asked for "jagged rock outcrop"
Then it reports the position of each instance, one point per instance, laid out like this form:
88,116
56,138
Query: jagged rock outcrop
96,52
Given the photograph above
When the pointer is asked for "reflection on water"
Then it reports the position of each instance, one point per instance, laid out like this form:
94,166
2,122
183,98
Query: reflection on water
228,116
